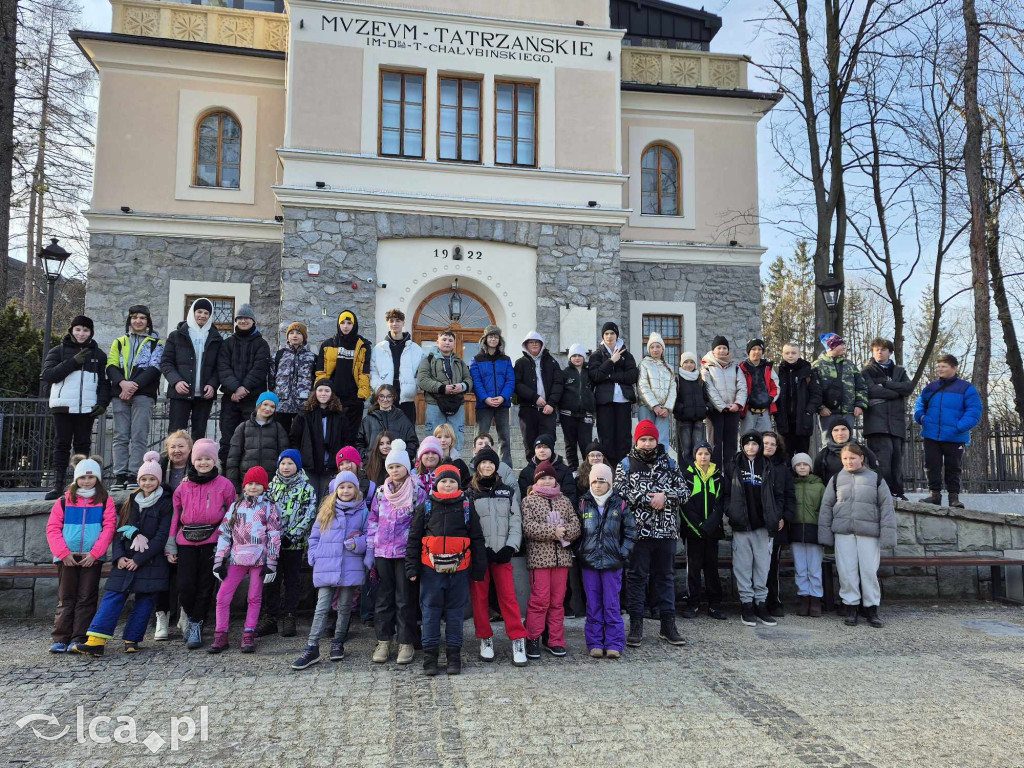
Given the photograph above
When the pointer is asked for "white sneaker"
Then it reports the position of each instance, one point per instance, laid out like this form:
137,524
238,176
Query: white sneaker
162,620
487,649
519,652
182,621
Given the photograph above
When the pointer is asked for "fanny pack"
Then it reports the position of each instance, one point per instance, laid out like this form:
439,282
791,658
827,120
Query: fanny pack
197,533
446,563
449,405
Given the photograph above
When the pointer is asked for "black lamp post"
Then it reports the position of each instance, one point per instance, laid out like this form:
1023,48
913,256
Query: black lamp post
53,258
455,302
831,289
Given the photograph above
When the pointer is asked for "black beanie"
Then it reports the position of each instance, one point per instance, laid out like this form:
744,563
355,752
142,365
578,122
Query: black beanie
547,440
595,446
487,454
203,304
755,343
609,326
83,321
752,437
720,341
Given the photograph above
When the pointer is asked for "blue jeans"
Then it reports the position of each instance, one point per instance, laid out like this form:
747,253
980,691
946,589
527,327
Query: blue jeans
105,621
499,417
663,423
433,417
447,595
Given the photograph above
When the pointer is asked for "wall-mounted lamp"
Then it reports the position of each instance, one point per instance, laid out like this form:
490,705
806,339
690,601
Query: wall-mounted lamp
455,302
125,209
320,185
279,218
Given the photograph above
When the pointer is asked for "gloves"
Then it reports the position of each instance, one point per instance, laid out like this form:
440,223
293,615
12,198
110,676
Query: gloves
503,555
492,556
81,356
286,541
98,410
128,531
220,570
350,544
216,574
269,577
140,543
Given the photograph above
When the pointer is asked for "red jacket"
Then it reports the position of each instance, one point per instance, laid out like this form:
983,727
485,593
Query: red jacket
770,385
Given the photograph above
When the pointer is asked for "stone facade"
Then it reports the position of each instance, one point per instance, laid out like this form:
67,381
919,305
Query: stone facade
151,262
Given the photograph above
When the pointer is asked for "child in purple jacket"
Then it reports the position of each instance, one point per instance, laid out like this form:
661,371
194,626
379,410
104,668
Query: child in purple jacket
337,552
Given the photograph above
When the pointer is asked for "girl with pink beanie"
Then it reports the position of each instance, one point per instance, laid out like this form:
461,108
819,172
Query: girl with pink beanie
428,459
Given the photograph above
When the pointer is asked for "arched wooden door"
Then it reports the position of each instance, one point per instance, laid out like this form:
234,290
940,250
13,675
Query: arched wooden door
433,316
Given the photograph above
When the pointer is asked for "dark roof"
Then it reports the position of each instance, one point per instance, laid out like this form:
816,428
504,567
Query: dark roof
162,42
658,19
702,90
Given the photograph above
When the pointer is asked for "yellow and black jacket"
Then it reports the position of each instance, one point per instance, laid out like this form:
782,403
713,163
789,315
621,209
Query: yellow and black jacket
345,360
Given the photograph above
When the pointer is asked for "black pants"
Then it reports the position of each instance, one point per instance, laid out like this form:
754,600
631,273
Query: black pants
723,432
195,579
943,460
615,430
195,410
533,423
396,608
70,429
798,443
285,420
652,559
773,598
353,413
409,409
578,434
702,558
167,601
889,452
231,415
289,561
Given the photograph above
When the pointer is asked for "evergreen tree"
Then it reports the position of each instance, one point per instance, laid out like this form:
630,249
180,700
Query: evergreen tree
21,348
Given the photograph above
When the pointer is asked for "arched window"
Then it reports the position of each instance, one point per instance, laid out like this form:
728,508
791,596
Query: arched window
218,151
659,169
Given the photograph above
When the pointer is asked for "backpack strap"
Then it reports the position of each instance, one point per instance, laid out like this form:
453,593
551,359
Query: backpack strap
465,512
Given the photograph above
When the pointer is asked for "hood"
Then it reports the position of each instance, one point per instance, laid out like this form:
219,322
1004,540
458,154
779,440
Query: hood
347,341
534,336
713,362
394,342
139,309
190,320
619,344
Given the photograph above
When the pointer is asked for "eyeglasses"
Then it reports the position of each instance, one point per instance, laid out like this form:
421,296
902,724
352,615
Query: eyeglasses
385,398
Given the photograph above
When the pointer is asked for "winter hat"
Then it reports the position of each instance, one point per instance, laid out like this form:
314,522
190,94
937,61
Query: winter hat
343,477
204,446
831,340
292,454
256,475
544,469
688,356
245,311
601,472
548,440
301,328
323,381
751,437
138,309
802,458
203,304
268,396
577,349
838,421
655,338
151,466
487,454
429,444
83,321
645,428
703,444
609,326
755,343
88,467
720,341
348,453
346,315
397,455
594,446
490,330
446,472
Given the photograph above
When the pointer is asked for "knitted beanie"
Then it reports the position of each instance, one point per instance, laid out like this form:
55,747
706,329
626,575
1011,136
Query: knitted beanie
268,396
720,341
645,428
447,472
151,466
398,455
301,328
343,477
544,469
256,475
429,444
204,446
802,458
292,454
487,454
88,467
548,440
601,472
348,453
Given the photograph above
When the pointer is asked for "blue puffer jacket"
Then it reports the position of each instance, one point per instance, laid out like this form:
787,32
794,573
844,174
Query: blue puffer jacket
606,539
333,564
493,376
948,409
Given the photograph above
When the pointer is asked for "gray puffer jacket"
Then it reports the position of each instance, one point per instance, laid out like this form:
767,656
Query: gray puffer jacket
859,503
498,509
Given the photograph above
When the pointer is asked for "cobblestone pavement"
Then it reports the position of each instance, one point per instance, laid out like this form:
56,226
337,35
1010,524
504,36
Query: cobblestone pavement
939,686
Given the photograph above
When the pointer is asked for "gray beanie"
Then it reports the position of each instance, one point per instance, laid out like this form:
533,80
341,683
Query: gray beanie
245,311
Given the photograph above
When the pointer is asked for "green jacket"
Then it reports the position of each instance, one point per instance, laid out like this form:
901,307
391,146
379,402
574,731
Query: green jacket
431,378
809,491
842,386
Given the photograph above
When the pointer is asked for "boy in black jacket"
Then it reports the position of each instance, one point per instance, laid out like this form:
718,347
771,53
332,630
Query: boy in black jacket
702,527
539,389
577,407
189,364
544,450
243,365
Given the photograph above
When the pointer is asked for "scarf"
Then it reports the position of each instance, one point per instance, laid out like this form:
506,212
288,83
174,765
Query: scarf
647,457
145,502
487,483
689,375
403,497
344,507
288,482
437,495
82,493
196,477
547,493
602,499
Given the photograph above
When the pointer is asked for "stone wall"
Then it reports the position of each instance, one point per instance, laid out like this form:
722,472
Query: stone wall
131,269
575,264
728,299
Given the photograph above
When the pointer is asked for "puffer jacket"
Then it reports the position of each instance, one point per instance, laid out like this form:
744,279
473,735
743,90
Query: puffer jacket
887,399
77,526
691,397
500,518
577,393
431,377
604,374
607,539
493,376
799,398
726,384
144,370
393,421
253,445
635,478
771,491
243,361
295,499
809,491
76,388
526,375
842,385
199,500
334,564
544,549
657,383
762,386
153,572
345,360
705,505
948,409
291,377
178,362
250,535
858,503
829,460
387,532
319,454
445,527
382,367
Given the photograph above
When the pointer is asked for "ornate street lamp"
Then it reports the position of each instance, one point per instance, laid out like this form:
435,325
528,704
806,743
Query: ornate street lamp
53,258
831,289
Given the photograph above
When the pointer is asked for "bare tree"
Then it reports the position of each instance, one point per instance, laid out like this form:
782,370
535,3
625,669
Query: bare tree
8,75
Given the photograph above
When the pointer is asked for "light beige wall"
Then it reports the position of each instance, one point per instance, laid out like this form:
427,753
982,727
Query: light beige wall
136,146
585,119
326,111
725,158
593,12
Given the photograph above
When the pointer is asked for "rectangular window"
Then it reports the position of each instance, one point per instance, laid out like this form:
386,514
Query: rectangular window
458,124
671,329
515,124
223,311
401,114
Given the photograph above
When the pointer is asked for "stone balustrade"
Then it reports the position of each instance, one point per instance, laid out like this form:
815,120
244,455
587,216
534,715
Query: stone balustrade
691,69
201,24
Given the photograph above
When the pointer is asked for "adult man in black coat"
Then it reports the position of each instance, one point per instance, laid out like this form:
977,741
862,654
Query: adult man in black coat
242,367
799,399
189,363
885,421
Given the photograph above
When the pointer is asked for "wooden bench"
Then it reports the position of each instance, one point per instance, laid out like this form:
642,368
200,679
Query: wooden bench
36,571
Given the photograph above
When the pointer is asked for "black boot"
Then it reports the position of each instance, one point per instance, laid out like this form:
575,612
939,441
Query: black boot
453,653
430,661
669,633
60,484
873,619
934,498
288,626
636,631
954,501
851,615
